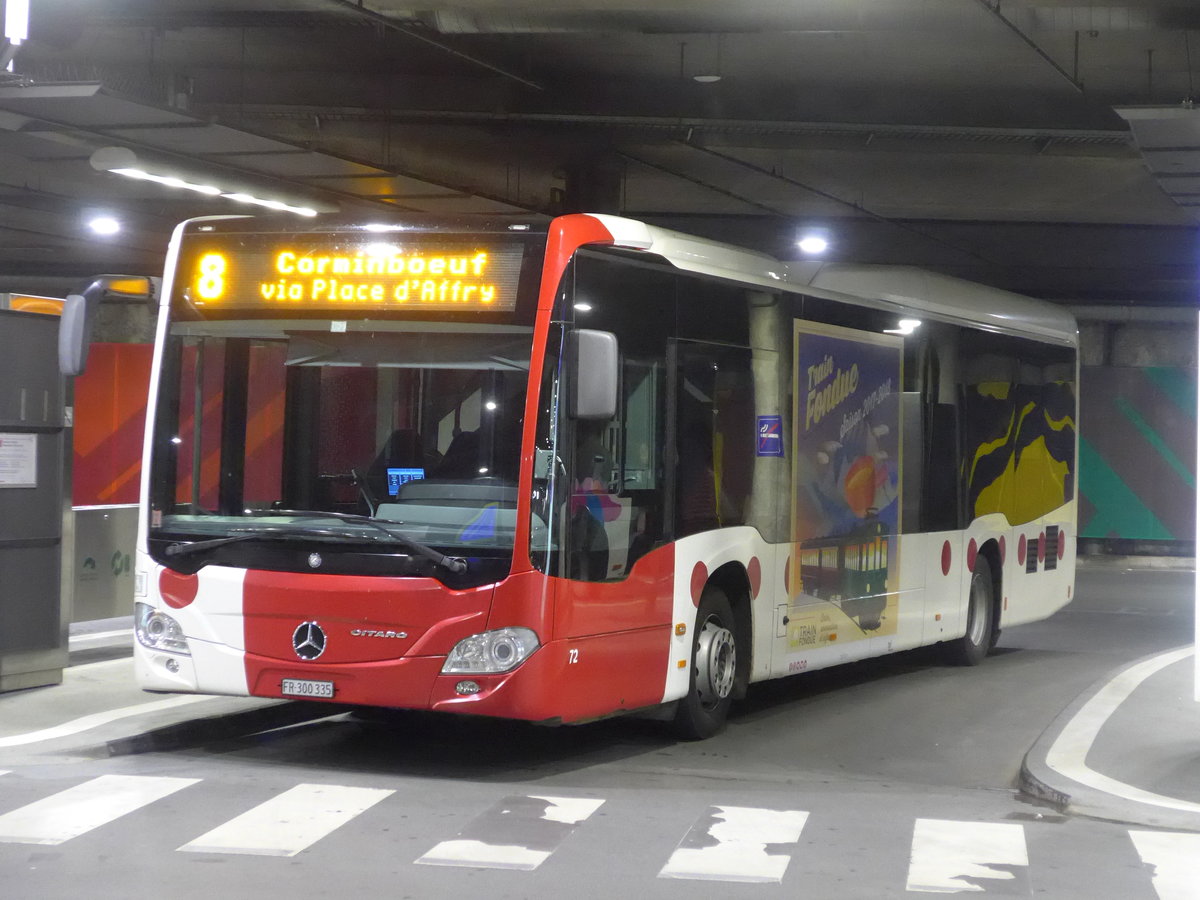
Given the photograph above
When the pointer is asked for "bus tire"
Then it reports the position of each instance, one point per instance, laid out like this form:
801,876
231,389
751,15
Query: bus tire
972,647
702,712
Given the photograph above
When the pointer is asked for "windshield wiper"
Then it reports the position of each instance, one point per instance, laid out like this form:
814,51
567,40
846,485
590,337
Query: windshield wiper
265,534
455,564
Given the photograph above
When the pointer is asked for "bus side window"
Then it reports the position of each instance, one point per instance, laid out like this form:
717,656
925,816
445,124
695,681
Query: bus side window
715,436
616,484
591,504
617,499
941,458
640,472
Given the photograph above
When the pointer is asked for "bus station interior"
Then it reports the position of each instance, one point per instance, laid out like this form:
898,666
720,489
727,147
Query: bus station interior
1045,147
1048,149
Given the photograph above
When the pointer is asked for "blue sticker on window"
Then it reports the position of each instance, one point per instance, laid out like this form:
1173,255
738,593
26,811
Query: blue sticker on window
770,436
482,527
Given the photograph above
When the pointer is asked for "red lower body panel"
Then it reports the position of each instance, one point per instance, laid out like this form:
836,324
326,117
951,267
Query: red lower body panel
395,682
383,642
569,681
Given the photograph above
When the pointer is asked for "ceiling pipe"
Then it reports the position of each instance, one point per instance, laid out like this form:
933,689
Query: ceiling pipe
864,131
701,183
855,207
356,6
993,7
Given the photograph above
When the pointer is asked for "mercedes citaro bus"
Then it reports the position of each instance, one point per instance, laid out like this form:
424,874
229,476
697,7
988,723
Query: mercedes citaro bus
560,471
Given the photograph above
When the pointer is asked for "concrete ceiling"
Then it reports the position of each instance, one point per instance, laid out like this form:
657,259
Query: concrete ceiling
986,138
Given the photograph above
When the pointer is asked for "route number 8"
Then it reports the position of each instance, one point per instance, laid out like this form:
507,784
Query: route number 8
211,283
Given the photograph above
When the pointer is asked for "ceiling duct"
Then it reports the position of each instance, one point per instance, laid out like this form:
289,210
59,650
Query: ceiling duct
1168,137
461,21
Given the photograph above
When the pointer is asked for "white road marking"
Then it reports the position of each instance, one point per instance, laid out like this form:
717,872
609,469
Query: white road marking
95,720
89,668
1068,754
290,822
479,855
568,810
99,636
78,810
517,833
951,857
731,843
1176,861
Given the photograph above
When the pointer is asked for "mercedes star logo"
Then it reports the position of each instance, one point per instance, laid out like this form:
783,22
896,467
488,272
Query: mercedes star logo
314,560
308,640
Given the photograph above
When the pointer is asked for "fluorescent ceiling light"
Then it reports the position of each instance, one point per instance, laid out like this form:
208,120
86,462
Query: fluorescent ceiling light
104,225
123,161
904,326
242,197
16,20
168,181
813,244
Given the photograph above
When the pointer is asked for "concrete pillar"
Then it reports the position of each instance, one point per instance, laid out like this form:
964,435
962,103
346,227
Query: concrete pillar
592,186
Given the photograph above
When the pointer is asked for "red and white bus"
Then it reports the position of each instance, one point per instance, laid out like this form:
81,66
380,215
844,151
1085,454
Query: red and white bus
560,471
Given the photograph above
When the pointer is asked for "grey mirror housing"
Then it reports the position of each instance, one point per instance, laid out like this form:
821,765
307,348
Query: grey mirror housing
74,335
593,372
75,326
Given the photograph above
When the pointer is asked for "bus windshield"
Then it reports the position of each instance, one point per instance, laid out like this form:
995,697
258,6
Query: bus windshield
263,425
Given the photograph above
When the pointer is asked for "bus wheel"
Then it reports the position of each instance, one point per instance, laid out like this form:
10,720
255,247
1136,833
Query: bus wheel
972,647
714,669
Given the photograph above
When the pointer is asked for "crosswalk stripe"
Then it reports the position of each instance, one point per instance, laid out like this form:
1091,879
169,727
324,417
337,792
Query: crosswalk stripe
516,833
78,810
290,822
948,857
741,835
1175,858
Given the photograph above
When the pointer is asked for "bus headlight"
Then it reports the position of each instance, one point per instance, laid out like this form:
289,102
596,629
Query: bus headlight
157,630
491,651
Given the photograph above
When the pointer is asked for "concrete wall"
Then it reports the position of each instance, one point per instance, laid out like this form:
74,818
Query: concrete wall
1137,467
124,323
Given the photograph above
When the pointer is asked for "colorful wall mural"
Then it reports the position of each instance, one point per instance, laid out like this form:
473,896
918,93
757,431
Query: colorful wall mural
1137,453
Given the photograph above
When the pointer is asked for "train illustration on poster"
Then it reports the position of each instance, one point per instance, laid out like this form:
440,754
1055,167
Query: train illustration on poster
846,473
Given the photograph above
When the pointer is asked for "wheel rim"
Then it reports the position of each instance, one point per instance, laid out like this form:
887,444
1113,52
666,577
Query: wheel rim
977,627
716,663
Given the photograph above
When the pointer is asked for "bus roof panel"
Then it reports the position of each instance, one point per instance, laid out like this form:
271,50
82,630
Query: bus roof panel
903,286
696,254
949,297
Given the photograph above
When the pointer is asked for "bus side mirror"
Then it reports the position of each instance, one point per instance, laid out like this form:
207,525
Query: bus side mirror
75,333
79,310
593,374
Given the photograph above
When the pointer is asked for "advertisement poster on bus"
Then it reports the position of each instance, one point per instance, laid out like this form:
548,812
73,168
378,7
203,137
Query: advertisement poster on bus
846,485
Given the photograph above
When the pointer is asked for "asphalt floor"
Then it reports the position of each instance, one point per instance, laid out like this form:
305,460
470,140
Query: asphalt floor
1127,749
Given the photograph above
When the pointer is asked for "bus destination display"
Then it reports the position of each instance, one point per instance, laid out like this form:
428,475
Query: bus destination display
376,276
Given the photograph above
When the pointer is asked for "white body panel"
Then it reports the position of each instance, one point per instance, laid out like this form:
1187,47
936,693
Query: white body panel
214,625
931,598
712,550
